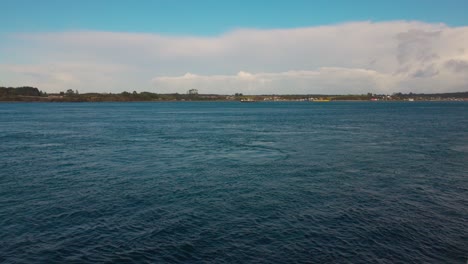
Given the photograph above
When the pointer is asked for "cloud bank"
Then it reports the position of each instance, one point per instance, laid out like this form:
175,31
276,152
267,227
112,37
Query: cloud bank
356,57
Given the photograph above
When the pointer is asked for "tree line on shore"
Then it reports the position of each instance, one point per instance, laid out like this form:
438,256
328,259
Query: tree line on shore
20,91
33,94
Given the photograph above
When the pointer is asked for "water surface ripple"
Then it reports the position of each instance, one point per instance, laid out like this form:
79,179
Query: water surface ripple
234,183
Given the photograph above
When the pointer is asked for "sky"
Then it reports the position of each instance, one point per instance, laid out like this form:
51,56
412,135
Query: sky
226,47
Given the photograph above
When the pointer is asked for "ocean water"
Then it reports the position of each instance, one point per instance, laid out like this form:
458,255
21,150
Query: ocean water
227,182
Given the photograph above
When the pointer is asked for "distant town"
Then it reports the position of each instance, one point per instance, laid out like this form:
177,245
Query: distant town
33,94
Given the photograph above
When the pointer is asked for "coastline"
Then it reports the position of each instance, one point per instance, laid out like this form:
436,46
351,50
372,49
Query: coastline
33,94
233,101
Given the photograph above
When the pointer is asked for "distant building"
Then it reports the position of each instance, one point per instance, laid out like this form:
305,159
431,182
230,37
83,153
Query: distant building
192,91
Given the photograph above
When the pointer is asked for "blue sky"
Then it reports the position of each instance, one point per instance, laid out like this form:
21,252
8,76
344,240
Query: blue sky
206,17
252,47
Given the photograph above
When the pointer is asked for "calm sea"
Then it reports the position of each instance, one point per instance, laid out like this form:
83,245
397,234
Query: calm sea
229,182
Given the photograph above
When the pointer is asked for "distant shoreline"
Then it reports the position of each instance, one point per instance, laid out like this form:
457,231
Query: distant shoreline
45,100
32,94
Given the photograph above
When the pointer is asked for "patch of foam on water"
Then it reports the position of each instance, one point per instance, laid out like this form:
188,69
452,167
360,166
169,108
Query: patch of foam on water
460,148
46,145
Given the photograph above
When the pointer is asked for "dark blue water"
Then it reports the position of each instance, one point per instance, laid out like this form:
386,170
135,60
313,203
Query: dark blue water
235,183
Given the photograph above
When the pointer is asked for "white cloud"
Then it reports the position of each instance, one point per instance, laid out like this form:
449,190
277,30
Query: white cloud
354,57
324,80
54,77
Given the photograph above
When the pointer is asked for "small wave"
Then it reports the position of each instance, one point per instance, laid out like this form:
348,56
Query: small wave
252,154
462,148
46,145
